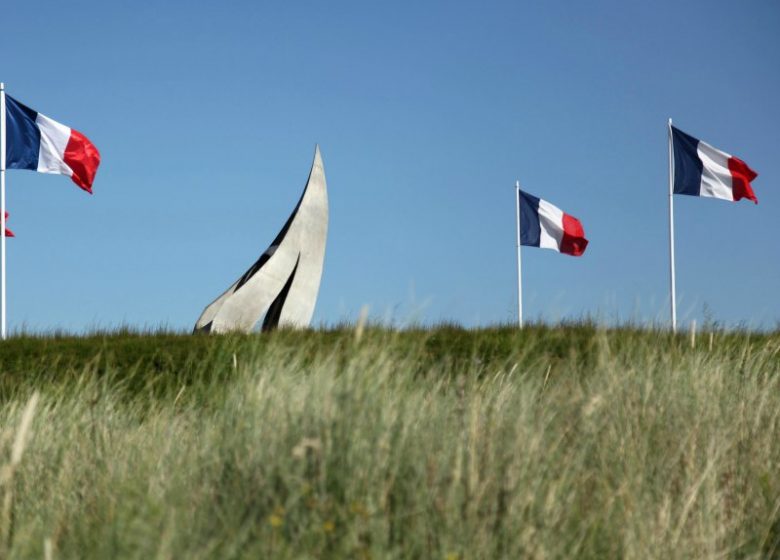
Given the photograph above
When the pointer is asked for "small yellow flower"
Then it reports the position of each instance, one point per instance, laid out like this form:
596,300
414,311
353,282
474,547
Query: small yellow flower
276,519
452,556
328,526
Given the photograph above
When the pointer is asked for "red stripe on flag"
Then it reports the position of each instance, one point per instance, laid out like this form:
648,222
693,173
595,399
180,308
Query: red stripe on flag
741,175
573,241
83,158
8,232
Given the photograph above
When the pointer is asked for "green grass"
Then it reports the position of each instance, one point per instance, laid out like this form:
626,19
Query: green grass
422,443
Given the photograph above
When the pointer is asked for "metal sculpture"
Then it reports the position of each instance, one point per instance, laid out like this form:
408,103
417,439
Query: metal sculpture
282,285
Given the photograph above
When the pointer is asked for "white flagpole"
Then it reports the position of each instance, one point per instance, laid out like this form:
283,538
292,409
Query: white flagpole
2,211
519,262
673,294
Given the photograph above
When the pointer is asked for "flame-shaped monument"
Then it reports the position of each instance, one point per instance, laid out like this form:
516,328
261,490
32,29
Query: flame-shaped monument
284,282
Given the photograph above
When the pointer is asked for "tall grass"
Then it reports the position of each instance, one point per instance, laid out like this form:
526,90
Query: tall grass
550,443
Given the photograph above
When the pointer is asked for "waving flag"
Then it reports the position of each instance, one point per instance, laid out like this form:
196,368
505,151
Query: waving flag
547,226
701,170
34,141
8,232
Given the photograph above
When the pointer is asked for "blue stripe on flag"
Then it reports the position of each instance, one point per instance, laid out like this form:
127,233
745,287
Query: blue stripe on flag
23,138
687,165
530,229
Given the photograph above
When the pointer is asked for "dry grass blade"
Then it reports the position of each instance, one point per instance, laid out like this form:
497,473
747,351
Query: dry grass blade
360,327
20,441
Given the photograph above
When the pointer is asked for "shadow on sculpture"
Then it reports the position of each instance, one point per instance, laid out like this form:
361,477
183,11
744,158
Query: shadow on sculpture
282,285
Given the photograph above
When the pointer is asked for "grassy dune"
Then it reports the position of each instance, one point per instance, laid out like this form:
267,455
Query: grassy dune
442,443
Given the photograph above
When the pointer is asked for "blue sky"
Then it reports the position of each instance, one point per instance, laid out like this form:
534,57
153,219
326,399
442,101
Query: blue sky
206,115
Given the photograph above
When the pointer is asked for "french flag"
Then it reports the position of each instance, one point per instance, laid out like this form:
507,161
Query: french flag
34,141
546,226
701,170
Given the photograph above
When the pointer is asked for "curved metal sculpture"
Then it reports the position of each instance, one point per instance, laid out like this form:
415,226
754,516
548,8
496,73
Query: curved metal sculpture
283,283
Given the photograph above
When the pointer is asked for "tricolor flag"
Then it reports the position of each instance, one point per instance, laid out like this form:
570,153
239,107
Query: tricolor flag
701,170
546,226
34,141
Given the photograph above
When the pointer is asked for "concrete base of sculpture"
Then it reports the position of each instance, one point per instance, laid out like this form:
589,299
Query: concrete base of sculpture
283,283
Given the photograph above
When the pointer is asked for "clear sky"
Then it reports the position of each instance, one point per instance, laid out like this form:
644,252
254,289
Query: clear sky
206,115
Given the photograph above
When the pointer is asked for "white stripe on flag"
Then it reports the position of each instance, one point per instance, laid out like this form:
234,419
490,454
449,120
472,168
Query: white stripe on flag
715,174
54,140
551,222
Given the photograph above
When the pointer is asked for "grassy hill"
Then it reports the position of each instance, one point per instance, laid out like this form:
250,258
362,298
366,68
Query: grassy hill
423,443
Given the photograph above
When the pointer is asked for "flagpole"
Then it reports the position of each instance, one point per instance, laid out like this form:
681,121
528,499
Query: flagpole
673,294
2,211
519,261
